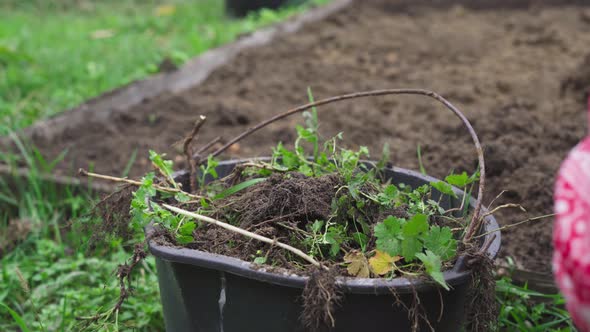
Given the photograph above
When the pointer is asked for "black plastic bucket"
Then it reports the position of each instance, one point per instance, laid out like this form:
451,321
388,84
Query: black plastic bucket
204,292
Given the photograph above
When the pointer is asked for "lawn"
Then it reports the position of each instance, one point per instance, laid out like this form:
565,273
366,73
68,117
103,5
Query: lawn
53,56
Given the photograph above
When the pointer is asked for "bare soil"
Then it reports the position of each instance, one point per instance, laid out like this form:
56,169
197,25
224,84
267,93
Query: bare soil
519,75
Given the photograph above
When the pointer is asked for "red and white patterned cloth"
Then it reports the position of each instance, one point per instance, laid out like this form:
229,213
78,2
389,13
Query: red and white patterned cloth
571,233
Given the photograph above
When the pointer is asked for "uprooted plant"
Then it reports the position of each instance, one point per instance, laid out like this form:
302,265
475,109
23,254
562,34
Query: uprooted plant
310,207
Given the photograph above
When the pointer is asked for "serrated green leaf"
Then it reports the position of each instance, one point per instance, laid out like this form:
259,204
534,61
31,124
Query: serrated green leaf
184,239
416,226
389,194
440,241
306,170
459,180
410,247
187,228
182,197
432,263
389,235
335,236
444,188
285,158
306,134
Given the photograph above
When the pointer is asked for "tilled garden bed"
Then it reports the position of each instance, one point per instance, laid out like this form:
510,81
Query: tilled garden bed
519,74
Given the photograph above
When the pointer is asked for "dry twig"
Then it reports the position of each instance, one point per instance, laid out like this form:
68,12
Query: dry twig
243,232
84,172
188,152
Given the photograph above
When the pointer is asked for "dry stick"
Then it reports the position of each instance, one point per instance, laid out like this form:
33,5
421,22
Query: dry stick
244,233
475,221
504,206
516,224
186,147
84,172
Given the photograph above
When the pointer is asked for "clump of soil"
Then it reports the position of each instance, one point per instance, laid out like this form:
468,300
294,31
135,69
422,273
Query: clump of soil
282,207
292,196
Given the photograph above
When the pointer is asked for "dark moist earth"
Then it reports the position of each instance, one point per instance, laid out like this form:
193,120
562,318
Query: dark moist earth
519,75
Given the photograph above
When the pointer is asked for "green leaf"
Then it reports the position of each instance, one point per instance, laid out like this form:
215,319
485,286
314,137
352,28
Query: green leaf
389,194
286,158
360,238
187,228
164,165
335,236
444,188
432,263
317,225
204,203
17,318
410,247
459,180
238,187
306,134
440,241
184,239
389,235
260,260
306,170
182,197
416,226
411,231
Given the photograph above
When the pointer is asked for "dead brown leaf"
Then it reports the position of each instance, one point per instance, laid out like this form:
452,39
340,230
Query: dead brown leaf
358,265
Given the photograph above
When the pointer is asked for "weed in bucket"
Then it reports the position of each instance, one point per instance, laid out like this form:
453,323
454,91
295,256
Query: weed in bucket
319,212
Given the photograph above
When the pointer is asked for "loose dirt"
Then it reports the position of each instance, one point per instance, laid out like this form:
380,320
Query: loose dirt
519,75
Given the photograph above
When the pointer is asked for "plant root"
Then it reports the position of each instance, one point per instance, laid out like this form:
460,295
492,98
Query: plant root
481,309
320,296
124,273
111,217
416,312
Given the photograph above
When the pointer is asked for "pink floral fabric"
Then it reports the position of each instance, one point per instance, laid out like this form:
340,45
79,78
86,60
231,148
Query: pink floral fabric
571,234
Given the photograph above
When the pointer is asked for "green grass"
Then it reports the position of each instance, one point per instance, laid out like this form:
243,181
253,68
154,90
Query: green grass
522,309
55,56
49,280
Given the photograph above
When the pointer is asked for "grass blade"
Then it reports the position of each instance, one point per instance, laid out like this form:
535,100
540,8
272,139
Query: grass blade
238,187
129,163
17,318
419,152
